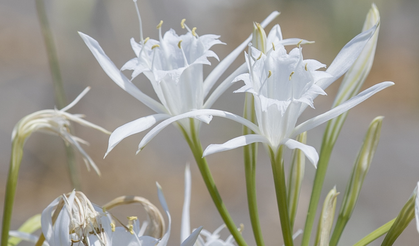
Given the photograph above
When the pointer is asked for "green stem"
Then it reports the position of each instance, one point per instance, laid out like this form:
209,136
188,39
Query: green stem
250,156
337,231
375,234
329,139
15,160
197,151
281,195
60,97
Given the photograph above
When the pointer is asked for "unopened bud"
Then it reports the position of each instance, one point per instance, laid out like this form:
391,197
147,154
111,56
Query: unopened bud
326,218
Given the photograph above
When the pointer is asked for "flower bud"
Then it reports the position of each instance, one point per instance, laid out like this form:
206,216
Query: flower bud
326,218
403,219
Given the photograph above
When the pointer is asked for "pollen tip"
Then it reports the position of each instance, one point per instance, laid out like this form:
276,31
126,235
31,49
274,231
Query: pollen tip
291,75
178,44
298,44
182,23
270,74
194,31
260,56
146,40
131,218
273,46
306,67
155,46
159,25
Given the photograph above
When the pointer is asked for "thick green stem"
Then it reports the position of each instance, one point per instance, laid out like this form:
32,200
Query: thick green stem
375,234
196,148
15,160
281,195
60,97
250,156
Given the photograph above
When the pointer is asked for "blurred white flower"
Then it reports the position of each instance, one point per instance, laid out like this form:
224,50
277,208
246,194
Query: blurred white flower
57,122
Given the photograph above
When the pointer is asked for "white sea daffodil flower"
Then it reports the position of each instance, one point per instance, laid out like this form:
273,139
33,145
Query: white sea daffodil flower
174,65
57,122
283,85
78,221
205,238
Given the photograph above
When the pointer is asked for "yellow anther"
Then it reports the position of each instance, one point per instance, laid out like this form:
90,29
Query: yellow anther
113,226
159,25
241,228
273,46
193,31
270,74
146,39
131,218
291,75
298,45
131,229
260,56
155,46
182,23
178,44
306,67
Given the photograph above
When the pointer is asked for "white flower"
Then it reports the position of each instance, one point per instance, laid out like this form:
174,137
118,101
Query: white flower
73,219
173,64
283,85
57,122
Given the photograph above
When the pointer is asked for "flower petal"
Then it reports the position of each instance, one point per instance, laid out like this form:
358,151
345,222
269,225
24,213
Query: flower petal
234,143
347,57
153,132
336,111
133,127
185,228
226,62
117,76
163,241
190,241
309,151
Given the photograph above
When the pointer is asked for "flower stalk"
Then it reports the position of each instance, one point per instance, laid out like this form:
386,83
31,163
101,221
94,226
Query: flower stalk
278,172
360,170
192,139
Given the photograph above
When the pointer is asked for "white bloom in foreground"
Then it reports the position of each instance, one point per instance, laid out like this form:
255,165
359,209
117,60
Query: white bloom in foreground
57,122
283,85
73,220
174,66
205,238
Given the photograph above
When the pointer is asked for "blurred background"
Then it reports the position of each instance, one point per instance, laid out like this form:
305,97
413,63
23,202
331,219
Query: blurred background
26,86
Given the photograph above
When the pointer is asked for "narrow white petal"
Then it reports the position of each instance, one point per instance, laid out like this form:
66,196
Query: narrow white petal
46,220
347,56
226,62
75,101
309,151
153,132
417,207
185,228
234,143
336,111
133,127
117,76
163,241
190,241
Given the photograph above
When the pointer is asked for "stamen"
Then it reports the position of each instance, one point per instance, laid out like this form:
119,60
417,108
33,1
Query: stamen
131,229
131,218
260,56
291,75
159,25
306,67
178,44
155,46
241,228
270,74
193,31
139,20
182,23
273,46
146,39
298,44
113,227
